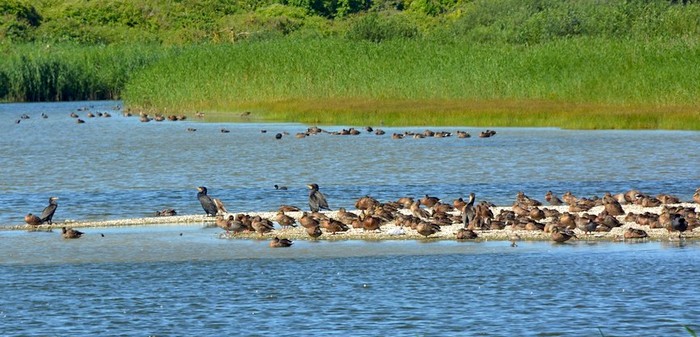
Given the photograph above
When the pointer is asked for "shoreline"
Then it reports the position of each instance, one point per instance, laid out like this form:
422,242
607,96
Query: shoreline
390,231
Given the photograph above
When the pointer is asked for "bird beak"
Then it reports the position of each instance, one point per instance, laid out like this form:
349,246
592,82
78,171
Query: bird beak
309,187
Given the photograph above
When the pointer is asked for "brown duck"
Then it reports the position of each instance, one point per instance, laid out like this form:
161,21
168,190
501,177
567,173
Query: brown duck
561,235
634,233
70,233
32,220
466,234
280,243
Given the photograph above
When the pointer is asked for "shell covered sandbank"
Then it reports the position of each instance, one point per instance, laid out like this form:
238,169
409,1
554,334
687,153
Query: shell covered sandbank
391,231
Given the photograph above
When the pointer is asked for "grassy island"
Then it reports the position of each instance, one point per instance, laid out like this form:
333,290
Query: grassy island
582,65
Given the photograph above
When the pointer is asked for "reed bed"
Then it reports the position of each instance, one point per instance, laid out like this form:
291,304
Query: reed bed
65,72
583,83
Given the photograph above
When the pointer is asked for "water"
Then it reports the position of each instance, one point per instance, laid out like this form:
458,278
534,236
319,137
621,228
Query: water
184,280
118,167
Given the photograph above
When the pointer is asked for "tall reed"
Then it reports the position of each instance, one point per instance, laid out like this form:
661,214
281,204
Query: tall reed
581,83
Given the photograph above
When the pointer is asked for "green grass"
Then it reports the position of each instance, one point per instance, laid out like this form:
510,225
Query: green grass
579,83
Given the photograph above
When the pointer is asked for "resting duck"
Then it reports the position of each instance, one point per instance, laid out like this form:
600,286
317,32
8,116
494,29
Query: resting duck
552,199
466,234
70,233
32,220
427,229
280,243
561,235
285,220
634,233
314,232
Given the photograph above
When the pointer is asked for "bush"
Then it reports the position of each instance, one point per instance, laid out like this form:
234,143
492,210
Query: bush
377,28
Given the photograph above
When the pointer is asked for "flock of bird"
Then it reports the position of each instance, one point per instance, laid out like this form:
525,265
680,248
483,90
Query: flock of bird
428,215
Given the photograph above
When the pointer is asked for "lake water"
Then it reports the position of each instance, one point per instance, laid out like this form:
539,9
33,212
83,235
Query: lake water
184,280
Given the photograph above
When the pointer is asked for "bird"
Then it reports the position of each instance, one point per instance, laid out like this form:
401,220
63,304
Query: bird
32,219
678,223
281,188
468,212
48,212
280,243
70,233
285,220
634,233
314,232
466,234
317,201
561,235
207,204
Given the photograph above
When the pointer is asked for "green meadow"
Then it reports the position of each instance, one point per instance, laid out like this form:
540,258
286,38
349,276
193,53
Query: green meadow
570,64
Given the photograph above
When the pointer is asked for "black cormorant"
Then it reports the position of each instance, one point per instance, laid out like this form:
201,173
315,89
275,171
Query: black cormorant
207,204
317,200
468,213
47,213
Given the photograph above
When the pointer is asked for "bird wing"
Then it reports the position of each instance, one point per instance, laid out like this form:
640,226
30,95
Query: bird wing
322,203
220,205
48,212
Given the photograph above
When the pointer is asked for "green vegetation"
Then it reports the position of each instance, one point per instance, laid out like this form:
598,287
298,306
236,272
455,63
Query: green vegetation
575,64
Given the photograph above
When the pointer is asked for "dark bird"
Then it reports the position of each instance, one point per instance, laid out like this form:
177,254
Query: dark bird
280,243
468,211
678,223
47,213
70,233
278,136
32,219
634,233
278,187
207,204
317,201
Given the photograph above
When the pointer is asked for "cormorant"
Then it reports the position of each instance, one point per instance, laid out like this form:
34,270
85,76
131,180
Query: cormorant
317,200
47,213
278,187
207,204
468,212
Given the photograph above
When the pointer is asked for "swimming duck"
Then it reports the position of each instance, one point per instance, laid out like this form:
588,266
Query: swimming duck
70,233
280,243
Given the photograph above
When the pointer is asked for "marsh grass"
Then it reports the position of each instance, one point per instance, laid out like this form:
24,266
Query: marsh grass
578,83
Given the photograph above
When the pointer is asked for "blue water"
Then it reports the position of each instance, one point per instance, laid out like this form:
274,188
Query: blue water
118,167
154,281
184,280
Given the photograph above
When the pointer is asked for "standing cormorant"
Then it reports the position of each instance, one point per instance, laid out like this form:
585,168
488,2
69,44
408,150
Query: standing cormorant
47,213
468,212
207,204
317,200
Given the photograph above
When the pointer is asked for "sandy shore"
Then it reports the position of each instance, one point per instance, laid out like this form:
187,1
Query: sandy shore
390,231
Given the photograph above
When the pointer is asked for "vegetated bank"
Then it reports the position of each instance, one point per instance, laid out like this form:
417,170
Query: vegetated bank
494,63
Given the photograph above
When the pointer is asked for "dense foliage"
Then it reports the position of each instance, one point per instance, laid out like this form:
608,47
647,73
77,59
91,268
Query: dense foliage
376,55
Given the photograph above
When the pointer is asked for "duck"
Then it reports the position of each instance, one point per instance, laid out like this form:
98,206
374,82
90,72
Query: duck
612,206
280,243
289,208
307,221
70,233
417,211
429,201
32,220
224,223
634,233
696,196
466,234
552,199
281,188
333,226
261,225
366,203
285,220
561,235
427,229
314,232
370,223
